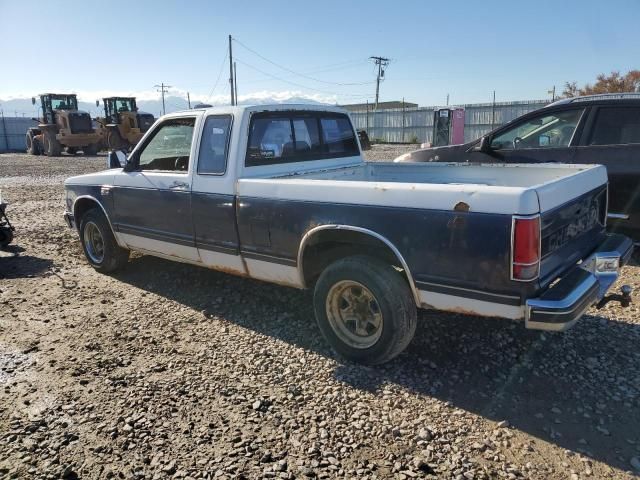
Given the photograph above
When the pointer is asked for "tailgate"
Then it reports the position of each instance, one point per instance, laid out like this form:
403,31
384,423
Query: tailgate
571,231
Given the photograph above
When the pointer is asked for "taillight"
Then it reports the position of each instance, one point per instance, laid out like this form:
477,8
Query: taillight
526,248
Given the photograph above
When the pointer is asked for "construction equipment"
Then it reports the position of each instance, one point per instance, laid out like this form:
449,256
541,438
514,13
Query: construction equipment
123,125
6,229
62,125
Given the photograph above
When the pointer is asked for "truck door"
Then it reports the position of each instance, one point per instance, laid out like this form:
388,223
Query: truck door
213,199
152,201
613,140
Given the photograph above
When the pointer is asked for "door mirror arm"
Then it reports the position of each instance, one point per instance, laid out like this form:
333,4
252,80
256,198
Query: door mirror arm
130,164
118,159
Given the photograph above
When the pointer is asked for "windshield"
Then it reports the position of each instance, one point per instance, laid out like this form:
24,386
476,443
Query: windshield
125,105
64,102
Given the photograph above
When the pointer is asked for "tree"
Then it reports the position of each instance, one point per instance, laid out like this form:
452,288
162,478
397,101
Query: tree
612,83
570,89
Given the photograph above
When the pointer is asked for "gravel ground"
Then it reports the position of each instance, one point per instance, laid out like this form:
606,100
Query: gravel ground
381,152
172,371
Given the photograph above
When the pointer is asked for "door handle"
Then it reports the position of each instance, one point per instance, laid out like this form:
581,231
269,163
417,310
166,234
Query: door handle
178,184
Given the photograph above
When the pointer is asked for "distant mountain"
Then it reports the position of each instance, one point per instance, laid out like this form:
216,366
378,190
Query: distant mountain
22,106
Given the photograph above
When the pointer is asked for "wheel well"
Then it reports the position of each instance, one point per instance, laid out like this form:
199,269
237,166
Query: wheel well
82,206
327,246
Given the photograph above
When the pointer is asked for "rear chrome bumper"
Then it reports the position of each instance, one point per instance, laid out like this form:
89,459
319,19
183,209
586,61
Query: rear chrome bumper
562,305
69,220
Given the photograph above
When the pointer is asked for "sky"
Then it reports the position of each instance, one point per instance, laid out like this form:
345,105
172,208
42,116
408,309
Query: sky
315,50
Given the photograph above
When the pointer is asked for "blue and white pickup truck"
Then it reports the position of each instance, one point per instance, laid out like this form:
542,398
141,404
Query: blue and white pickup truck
281,194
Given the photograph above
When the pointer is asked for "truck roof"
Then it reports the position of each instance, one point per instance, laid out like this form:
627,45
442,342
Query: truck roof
601,97
264,108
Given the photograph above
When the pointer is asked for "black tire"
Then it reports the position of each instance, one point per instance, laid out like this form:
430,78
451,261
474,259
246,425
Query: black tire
30,143
392,297
6,237
114,140
33,145
91,149
52,147
37,145
110,257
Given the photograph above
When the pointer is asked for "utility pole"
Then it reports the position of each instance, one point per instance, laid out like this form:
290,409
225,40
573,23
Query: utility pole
163,89
235,82
553,93
382,63
189,100
233,97
493,110
4,129
447,99
403,113
367,117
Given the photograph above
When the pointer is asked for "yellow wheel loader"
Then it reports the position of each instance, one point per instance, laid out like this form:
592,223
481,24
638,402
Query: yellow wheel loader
62,126
123,125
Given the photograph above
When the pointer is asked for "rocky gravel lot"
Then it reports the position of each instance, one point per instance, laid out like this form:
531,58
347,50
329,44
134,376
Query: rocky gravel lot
172,371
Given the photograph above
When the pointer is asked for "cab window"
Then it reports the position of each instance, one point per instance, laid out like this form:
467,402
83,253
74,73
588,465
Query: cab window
170,146
214,145
553,130
616,126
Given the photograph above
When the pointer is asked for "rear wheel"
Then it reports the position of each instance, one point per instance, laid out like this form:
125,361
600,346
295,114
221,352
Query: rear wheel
365,309
33,145
29,142
99,244
51,145
91,149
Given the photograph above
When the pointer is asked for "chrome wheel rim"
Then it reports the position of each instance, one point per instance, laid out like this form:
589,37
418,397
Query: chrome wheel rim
94,243
354,314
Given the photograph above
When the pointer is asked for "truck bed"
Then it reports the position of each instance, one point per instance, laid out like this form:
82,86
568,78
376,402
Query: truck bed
509,189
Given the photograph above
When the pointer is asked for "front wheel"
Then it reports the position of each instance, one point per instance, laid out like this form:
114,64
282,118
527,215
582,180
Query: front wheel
99,244
52,147
365,309
6,237
91,150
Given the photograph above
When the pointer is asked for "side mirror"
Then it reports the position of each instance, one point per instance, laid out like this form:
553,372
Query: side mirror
484,145
33,100
116,159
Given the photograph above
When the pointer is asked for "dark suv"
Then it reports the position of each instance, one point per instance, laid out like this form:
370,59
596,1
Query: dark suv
602,129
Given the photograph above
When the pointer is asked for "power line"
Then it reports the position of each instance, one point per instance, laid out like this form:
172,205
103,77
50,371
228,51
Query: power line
298,73
219,75
299,85
336,68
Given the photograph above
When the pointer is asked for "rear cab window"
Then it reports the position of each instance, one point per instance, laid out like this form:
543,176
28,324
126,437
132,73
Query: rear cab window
299,136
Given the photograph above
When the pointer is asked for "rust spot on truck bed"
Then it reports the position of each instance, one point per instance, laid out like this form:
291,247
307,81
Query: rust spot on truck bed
461,207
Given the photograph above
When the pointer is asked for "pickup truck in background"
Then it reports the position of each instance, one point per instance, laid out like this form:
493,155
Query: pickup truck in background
281,194
596,129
